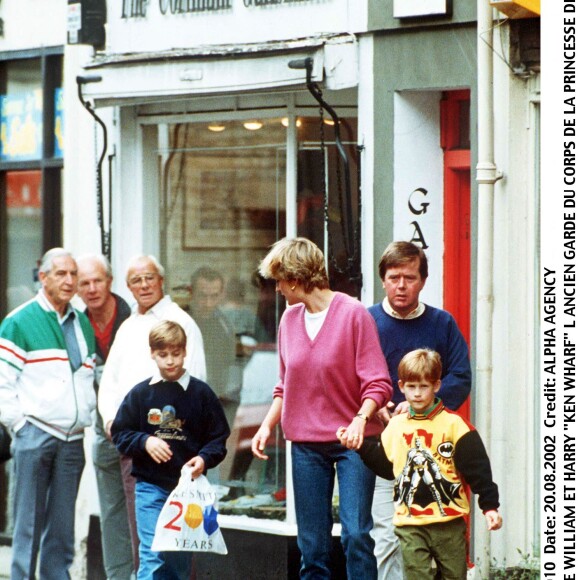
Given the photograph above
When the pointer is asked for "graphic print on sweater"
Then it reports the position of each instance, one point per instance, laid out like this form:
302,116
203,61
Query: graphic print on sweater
422,487
170,427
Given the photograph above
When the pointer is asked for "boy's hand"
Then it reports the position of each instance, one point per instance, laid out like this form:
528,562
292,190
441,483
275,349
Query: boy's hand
493,519
197,465
158,449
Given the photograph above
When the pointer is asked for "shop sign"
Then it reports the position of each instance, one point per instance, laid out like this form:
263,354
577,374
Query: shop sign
21,126
139,8
136,26
415,8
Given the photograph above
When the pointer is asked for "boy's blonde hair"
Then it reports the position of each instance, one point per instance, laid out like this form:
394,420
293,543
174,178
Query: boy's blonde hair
167,334
296,259
420,364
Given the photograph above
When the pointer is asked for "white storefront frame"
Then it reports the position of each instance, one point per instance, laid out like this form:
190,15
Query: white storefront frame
136,202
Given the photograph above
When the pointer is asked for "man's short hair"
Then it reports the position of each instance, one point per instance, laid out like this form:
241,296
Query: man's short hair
142,257
420,365
47,261
100,259
400,253
167,334
206,273
296,259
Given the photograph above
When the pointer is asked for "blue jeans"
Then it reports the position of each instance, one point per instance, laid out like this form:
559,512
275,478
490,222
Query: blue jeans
313,470
149,501
47,473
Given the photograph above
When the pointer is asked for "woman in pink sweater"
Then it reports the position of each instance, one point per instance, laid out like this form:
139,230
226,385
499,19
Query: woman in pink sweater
332,373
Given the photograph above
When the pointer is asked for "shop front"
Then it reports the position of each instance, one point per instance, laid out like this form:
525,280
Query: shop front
219,151
221,147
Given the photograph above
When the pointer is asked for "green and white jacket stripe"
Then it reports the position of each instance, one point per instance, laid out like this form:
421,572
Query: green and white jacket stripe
37,382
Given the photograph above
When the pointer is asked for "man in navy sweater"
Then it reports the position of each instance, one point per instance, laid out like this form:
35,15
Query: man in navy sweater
405,324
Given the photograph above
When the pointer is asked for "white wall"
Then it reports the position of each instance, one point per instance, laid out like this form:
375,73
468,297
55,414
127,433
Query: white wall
32,23
419,166
515,378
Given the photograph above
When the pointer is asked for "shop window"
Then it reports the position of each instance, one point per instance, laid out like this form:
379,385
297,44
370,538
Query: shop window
21,112
222,204
31,161
323,199
223,188
24,229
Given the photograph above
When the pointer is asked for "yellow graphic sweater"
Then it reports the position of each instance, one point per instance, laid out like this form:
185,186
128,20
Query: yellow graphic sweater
433,458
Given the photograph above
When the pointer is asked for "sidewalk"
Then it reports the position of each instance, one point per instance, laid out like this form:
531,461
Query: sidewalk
5,554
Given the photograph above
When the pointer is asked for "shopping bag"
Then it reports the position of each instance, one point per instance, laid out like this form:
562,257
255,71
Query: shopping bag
188,520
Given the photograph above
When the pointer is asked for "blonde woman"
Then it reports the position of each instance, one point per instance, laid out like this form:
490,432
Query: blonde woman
332,373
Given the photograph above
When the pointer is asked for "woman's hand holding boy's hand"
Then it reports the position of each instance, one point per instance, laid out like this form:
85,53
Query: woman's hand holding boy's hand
493,519
197,465
351,437
158,449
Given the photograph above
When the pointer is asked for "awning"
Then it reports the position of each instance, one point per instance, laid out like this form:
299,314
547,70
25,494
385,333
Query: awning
220,69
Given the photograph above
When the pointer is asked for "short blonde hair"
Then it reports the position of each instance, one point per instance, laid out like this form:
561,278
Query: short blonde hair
167,334
420,364
296,259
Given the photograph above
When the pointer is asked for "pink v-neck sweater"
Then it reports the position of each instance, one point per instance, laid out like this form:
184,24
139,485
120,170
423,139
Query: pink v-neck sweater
324,381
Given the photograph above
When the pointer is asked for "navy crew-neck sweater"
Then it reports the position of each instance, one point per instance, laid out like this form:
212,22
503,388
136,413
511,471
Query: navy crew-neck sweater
435,329
191,421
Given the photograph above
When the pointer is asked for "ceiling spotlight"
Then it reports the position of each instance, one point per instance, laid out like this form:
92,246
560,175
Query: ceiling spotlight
253,125
216,127
284,122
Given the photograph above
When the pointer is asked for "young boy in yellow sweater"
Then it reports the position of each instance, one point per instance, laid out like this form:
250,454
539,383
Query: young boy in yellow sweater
432,453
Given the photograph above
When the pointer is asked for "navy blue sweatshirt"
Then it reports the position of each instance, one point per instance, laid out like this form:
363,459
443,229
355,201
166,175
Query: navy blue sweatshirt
435,329
191,422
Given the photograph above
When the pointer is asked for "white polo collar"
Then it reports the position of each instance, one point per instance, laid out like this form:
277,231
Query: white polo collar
413,314
183,379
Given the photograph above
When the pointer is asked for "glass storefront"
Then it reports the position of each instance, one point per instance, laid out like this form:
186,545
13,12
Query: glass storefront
30,177
223,194
24,229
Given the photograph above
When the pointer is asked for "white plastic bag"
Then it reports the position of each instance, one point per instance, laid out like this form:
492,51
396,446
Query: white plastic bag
188,520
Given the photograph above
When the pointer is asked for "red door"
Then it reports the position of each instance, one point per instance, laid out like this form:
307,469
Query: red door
457,212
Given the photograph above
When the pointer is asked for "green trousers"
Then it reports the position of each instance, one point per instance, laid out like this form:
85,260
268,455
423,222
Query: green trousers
445,543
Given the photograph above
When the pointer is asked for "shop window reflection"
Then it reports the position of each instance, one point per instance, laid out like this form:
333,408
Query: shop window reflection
222,206
320,176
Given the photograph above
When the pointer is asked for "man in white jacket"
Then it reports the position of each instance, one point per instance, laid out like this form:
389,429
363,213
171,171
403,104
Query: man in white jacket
47,360
129,361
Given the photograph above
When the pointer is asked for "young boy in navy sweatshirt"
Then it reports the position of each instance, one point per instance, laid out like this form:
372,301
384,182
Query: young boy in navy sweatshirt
165,422
431,452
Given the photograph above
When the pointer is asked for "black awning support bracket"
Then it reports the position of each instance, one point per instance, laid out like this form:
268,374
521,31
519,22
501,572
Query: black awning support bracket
352,232
105,230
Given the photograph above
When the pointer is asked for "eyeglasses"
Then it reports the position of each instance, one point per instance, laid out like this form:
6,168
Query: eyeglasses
144,278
